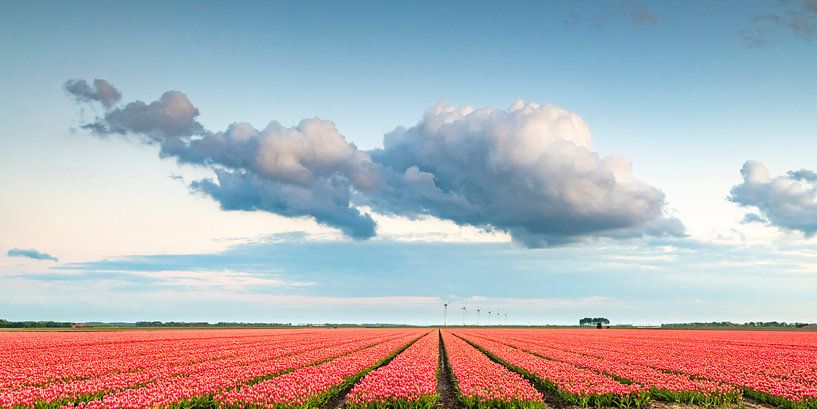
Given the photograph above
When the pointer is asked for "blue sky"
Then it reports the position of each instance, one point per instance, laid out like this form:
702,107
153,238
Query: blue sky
687,92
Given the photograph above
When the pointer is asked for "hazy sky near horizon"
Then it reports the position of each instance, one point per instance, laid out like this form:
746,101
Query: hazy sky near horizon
645,161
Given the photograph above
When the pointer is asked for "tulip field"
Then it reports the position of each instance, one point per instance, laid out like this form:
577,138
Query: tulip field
410,380
406,368
483,383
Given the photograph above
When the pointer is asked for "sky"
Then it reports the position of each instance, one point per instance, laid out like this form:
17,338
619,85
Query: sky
362,161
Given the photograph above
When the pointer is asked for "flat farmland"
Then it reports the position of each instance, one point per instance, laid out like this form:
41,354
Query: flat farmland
407,368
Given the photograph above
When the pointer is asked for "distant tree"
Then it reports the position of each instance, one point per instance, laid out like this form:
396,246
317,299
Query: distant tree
594,321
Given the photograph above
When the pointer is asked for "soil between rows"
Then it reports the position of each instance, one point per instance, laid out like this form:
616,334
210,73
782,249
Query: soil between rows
445,381
337,401
747,404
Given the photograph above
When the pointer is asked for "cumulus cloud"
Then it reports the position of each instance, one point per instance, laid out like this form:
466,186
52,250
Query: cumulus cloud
102,91
788,201
30,253
172,115
529,170
308,170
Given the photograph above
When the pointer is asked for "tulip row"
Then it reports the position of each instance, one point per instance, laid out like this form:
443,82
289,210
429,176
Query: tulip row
578,386
787,356
312,386
201,386
164,386
407,382
113,353
778,368
89,388
662,385
482,383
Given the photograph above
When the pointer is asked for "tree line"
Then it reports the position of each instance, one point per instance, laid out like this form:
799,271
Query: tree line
728,324
34,324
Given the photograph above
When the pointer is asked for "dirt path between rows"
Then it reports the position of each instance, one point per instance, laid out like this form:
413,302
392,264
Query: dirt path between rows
337,401
445,381
747,404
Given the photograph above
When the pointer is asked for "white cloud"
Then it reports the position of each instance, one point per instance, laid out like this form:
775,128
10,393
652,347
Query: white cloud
787,201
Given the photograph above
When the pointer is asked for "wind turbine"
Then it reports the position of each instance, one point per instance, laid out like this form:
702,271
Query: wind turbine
489,317
463,313
506,318
478,316
445,312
